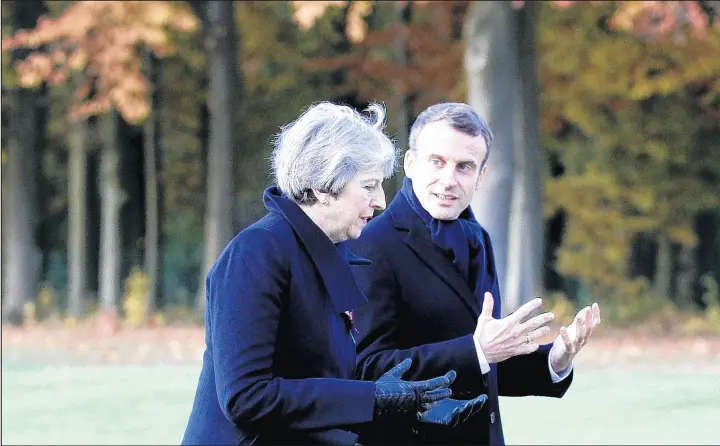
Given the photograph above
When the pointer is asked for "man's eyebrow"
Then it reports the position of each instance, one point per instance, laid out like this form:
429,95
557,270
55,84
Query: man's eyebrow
462,161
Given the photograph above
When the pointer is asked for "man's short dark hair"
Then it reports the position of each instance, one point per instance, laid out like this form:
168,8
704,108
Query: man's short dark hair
459,116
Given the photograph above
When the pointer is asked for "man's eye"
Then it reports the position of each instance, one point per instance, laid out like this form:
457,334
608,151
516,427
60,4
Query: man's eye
435,161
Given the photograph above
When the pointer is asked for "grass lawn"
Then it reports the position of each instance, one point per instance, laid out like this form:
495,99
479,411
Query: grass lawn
150,405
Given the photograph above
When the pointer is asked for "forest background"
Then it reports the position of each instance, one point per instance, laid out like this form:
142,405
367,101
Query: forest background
135,142
136,137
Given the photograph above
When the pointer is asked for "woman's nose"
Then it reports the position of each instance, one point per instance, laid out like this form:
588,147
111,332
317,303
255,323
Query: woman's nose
378,201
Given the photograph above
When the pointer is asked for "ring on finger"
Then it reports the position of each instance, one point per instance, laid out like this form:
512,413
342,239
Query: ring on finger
527,338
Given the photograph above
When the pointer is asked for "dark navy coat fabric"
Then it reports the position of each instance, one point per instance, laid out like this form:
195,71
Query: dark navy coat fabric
280,359
420,307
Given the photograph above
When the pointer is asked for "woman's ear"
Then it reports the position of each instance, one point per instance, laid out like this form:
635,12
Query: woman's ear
322,197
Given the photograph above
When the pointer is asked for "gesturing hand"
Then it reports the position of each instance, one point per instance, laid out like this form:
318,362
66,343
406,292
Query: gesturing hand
504,338
450,412
573,338
393,394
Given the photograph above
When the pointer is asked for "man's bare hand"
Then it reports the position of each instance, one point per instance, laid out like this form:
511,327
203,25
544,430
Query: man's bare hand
504,338
573,338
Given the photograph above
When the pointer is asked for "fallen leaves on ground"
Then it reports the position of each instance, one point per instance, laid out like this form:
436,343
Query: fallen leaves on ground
186,344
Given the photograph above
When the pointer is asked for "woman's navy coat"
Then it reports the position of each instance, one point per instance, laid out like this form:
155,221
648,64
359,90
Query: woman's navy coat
280,357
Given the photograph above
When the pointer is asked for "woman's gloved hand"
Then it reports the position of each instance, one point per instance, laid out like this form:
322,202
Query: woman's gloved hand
394,395
450,412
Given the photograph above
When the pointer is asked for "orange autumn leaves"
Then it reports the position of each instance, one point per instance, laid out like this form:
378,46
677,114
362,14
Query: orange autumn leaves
655,19
100,40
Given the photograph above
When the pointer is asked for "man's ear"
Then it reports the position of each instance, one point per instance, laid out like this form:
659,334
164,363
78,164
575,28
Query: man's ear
480,177
408,163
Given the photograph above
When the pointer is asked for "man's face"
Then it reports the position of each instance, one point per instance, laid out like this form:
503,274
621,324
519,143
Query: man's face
445,169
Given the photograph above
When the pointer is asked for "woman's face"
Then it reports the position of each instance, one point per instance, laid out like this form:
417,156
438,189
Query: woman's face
348,213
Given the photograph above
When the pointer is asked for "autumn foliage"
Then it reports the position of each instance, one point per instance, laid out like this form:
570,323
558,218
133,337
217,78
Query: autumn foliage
629,112
658,20
625,117
101,41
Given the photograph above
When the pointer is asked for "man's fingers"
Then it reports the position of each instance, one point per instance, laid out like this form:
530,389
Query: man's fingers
487,307
566,338
522,312
580,327
596,314
536,321
536,334
585,326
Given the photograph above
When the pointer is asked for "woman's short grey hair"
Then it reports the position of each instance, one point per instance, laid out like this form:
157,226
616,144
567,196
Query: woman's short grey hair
459,116
327,146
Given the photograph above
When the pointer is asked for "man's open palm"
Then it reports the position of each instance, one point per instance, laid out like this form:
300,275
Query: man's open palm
504,338
573,338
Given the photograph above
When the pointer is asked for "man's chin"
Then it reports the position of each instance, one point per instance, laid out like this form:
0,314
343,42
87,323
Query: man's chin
441,213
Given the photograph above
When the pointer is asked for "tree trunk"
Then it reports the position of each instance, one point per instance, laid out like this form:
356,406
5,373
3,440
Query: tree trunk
707,251
77,216
341,45
153,193
663,268
492,71
525,254
685,276
403,110
222,47
22,256
23,259
112,198
94,217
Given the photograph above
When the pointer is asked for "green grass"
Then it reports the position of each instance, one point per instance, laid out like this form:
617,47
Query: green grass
621,406
150,405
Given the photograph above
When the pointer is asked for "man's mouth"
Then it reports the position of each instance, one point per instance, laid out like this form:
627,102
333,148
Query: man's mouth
446,197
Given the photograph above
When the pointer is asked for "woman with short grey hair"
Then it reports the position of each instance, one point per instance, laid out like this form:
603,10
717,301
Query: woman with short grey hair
327,146
280,354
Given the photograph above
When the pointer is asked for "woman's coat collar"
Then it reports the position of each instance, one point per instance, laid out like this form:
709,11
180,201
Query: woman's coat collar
332,260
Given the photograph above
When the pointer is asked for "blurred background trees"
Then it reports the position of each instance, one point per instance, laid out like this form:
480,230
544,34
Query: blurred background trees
136,137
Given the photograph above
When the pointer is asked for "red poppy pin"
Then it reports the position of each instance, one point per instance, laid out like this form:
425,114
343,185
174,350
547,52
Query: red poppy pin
350,321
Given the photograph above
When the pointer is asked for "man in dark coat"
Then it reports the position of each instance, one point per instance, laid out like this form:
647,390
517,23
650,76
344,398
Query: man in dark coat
433,290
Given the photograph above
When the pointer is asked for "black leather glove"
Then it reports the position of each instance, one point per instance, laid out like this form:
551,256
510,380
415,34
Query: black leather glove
393,395
450,412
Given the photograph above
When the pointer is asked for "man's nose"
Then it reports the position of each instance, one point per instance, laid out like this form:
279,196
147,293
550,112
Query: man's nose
447,177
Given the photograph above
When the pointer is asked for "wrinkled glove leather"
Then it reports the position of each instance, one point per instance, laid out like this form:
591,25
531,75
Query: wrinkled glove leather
451,412
396,396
